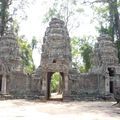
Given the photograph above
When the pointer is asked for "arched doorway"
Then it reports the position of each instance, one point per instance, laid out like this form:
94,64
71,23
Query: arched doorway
111,72
55,85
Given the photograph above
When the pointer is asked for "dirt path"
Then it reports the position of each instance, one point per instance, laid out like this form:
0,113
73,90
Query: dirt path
34,110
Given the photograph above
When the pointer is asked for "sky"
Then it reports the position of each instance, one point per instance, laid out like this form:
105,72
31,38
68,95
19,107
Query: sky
33,25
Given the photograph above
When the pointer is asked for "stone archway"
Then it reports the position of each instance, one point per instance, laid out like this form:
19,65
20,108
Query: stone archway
55,56
49,80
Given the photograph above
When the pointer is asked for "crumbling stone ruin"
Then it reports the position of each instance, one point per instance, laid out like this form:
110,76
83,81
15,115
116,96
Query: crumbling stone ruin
55,57
103,77
12,78
102,80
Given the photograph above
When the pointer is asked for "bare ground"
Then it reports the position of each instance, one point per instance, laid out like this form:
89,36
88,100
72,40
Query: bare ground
51,110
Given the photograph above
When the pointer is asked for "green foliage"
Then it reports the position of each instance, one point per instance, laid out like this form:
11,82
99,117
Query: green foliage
82,69
101,16
81,50
34,43
76,56
109,20
7,22
55,79
107,14
26,55
86,51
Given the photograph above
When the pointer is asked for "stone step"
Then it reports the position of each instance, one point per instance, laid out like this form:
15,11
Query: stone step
6,97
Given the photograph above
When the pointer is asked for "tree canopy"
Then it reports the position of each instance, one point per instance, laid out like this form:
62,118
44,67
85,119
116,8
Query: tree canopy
26,55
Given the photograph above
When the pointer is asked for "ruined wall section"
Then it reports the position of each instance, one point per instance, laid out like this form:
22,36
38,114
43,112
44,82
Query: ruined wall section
105,62
97,82
18,84
85,85
36,82
14,81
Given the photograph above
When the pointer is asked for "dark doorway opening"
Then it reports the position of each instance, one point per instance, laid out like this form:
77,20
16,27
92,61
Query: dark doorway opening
111,87
111,72
55,83
0,82
54,61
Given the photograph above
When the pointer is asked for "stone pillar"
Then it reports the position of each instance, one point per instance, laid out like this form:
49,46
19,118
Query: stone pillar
28,84
66,90
4,84
66,83
107,85
44,85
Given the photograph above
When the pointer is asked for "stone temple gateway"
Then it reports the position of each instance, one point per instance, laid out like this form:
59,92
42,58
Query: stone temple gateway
56,55
102,80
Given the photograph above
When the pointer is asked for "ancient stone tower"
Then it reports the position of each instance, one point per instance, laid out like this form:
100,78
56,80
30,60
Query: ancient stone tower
105,61
56,55
11,77
9,51
105,53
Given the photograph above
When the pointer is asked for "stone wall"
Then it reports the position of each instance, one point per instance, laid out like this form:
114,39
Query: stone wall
86,85
18,84
117,85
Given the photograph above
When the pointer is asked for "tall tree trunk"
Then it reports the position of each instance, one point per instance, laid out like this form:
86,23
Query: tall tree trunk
4,5
111,18
117,20
114,19
116,25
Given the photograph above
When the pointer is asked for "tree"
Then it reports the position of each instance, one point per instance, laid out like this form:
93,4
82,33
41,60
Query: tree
65,10
4,15
34,43
7,11
86,51
114,18
81,50
26,55
108,11
113,30
76,56
55,80
108,18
